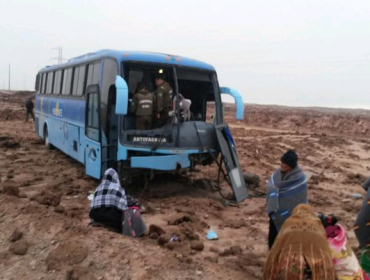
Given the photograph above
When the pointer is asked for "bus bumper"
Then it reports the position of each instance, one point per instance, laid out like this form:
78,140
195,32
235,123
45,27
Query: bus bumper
171,162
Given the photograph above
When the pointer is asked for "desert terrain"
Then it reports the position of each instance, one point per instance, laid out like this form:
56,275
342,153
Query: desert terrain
44,197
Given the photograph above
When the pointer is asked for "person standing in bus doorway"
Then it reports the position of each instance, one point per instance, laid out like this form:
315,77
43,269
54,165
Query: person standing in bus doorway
142,107
163,97
29,108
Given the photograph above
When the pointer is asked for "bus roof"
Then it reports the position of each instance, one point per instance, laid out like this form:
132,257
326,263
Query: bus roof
134,56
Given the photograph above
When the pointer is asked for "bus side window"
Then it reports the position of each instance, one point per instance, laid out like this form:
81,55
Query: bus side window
42,90
49,87
90,70
75,80
64,80
67,83
45,84
57,82
96,75
81,81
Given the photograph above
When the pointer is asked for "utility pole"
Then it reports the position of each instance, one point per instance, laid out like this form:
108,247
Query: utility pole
60,55
9,76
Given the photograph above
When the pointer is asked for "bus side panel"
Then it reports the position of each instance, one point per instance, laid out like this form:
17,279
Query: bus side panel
74,143
75,128
65,121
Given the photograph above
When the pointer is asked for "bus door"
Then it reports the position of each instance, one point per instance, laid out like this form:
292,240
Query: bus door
93,132
231,162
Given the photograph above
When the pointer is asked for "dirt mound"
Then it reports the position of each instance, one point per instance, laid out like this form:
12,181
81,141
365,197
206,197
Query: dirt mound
67,254
16,235
8,143
327,120
49,198
11,190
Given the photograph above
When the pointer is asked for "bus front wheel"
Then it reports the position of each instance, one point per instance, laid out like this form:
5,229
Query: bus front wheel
46,139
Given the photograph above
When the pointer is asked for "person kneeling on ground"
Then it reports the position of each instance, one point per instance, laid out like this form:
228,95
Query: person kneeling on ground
114,209
301,250
345,262
286,189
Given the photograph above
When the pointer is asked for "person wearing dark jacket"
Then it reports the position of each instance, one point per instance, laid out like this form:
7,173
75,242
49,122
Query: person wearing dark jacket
142,107
29,107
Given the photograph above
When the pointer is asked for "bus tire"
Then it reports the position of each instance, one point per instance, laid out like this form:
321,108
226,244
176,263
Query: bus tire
46,139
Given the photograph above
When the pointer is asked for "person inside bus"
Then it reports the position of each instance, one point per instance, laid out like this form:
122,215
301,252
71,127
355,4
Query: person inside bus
142,106
163,97
111,207
184,105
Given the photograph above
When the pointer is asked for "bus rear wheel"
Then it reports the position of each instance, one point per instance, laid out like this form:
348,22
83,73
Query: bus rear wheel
46,139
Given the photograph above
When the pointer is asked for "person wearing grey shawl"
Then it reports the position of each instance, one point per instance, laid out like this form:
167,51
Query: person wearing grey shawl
285,190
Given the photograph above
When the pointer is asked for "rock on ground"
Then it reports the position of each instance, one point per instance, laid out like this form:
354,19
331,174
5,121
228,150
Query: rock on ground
16,235
11,190
19,247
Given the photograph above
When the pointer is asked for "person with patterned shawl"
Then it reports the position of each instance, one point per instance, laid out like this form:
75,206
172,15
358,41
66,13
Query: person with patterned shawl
113,208
345,262
300,250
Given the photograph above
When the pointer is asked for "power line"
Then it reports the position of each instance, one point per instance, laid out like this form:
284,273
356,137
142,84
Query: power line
60,55
298,40
306,63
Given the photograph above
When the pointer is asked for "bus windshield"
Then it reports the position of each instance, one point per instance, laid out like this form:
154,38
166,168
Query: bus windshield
198,86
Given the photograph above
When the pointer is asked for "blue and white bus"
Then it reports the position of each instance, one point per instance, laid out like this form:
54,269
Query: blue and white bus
82,109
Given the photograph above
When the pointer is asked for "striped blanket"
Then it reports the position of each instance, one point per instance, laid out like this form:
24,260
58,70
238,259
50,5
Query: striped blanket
284,193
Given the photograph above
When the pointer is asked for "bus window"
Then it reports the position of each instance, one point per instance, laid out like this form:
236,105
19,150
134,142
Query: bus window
198,87
67,80
57,82
42,90
96,75
75,80
49,87
92,124
64,81
90,70
135,76
81,81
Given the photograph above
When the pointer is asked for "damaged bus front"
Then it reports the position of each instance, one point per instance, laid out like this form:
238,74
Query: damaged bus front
94,92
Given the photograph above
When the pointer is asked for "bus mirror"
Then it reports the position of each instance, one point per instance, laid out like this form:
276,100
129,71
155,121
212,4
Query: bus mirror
121,96
238,101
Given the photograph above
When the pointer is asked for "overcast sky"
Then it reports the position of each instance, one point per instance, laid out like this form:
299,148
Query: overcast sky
288,52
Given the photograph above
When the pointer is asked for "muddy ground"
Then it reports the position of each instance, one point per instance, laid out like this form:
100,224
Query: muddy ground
44,196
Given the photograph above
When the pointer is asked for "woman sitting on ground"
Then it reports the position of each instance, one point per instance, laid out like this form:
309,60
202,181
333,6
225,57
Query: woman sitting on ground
301,250
114,209
345,262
